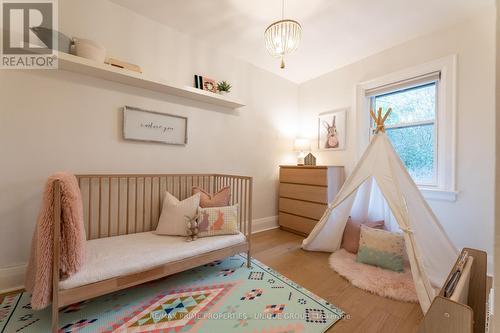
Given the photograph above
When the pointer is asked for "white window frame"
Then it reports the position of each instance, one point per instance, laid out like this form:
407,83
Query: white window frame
445,121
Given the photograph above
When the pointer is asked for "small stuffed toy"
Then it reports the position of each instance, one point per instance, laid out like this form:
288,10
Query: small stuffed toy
192,228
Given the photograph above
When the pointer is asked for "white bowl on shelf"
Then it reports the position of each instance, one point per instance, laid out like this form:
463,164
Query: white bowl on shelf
89,49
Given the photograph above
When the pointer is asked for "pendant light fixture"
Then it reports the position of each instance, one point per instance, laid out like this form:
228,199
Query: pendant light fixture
282,37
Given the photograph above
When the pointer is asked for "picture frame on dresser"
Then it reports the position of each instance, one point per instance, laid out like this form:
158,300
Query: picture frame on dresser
304,195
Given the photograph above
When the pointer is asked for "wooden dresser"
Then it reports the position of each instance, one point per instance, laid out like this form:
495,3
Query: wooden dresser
304,194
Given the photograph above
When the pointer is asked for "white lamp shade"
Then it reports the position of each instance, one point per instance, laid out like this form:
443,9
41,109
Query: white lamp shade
302,144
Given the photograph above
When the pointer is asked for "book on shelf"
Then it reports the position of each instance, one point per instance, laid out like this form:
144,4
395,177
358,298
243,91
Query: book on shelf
451,283
122,64
198,81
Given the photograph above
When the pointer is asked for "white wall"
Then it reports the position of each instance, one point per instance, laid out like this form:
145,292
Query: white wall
56,120
469,220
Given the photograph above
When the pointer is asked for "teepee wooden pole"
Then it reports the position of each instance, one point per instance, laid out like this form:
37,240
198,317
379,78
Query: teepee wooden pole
386,115
379,120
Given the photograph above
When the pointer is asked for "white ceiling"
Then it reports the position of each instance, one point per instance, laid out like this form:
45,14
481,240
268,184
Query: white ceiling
335,32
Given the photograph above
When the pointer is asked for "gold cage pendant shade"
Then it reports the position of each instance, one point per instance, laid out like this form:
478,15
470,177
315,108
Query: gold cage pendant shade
282,37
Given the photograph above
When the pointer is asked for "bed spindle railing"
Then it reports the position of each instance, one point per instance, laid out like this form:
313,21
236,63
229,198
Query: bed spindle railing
118,204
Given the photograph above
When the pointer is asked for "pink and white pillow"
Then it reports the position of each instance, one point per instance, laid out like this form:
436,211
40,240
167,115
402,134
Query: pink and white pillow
215,221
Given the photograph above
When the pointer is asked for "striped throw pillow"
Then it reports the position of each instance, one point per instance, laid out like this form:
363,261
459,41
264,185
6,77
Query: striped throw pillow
381,248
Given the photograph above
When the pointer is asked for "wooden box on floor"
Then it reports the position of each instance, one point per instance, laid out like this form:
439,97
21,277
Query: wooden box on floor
448,316
304,194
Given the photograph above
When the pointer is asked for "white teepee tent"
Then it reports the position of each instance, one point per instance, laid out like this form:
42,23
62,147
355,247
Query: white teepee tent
431,254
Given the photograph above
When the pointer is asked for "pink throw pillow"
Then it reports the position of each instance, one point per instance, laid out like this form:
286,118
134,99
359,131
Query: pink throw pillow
352,233
219,199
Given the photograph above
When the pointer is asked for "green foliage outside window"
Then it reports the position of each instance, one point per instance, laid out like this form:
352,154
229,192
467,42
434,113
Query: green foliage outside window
411,129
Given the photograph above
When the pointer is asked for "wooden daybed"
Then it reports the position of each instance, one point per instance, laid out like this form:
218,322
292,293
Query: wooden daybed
120,211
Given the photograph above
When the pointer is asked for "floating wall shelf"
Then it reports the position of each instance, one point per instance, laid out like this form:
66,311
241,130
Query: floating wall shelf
81,65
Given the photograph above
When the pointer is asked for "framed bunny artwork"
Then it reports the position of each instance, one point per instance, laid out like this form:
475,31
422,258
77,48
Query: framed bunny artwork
332,130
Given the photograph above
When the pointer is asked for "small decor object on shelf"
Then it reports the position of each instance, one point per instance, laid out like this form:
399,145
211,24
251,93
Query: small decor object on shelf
198,81
332,130
223,87
209,85
122,64
89,49
301,145
310,159
143,125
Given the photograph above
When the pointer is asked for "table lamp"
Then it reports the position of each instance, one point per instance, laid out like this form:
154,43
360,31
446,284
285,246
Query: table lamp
301,145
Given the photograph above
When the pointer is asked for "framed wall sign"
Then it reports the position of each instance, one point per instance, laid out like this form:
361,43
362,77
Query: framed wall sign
144,125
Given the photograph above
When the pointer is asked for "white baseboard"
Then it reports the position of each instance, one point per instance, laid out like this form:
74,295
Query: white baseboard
265,223
12,278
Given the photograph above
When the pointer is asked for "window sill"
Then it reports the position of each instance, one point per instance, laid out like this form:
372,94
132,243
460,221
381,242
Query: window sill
439,195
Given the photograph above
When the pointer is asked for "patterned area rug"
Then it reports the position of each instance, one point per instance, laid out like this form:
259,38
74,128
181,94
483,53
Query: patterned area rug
223,296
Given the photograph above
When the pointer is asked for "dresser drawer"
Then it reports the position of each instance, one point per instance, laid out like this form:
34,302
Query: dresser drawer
312,176
302,208
297,223
304,192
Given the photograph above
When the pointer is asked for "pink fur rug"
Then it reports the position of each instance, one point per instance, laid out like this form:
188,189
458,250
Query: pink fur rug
383,282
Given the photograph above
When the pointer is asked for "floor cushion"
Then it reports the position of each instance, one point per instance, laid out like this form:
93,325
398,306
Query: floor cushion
381,248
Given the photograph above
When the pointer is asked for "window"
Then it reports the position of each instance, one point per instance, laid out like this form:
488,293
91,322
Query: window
412,129
422,125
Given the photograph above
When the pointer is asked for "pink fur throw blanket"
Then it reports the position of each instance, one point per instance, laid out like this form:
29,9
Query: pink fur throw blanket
72,247
383,282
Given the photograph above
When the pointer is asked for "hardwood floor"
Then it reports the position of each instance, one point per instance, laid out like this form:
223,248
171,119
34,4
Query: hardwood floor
367,313
281,251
